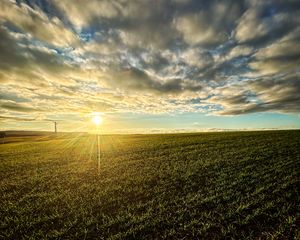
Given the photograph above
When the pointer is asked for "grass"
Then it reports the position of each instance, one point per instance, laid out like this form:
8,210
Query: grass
241,185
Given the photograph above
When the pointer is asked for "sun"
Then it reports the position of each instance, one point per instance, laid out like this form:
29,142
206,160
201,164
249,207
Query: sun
97,120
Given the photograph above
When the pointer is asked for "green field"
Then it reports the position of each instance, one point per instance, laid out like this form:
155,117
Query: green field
239,185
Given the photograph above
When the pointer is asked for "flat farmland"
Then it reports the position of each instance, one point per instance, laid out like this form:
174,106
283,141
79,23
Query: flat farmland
232,185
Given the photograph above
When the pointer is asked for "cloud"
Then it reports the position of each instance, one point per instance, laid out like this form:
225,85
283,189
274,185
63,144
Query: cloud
134,79
134,26
240,51
9,118
231,57
36,23
276,93
10,52
197,57
210,25
99,106
267,20
27,64
18,107
83,13
16,51
280,56
279,93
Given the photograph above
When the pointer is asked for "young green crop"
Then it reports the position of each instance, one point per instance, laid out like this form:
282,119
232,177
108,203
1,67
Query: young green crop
239,185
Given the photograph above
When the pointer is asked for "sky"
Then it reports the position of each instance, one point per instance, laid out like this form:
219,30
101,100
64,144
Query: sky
149,66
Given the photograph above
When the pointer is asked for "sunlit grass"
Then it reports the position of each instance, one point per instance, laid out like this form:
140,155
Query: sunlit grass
207,186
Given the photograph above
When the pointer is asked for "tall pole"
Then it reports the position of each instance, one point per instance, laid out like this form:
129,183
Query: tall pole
55,127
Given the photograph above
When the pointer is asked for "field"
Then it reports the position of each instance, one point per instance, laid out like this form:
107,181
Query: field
234,185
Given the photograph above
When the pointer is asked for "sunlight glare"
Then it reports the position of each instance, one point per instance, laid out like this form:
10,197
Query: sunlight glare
97,120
